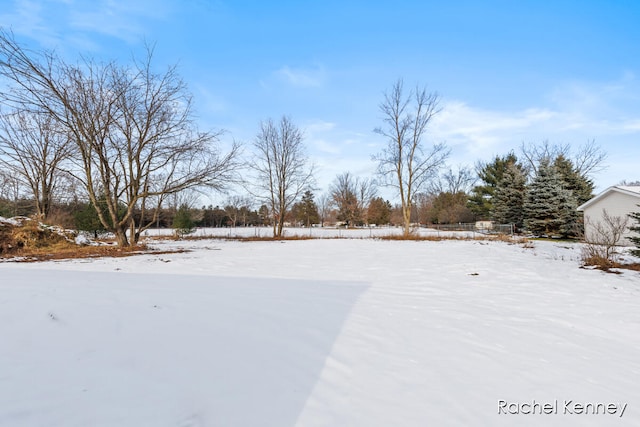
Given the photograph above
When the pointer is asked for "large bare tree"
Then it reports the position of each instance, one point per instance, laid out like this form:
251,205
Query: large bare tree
408,162
33,149
281,166
133,130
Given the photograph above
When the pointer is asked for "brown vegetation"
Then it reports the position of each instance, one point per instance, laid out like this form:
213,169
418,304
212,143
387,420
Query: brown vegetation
28,240
28,235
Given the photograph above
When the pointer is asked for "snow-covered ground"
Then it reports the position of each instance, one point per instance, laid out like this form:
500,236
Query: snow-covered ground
348,332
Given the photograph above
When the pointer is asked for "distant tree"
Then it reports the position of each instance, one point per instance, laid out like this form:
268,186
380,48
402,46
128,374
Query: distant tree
214,217
624,182
183,223
549,208
366,190
379,211
237,208
635,216
586,160
449,208
424,208
306,211
324,207
344,196
281,168
490,174
407,163
454,181
265,215
509,196
351,196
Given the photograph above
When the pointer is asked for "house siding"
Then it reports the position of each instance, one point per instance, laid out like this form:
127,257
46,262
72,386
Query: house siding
616,204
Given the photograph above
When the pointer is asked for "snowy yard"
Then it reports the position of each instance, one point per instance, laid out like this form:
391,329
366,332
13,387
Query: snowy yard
317,333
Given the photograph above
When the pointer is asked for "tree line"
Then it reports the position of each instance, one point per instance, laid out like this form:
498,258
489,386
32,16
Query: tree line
115,147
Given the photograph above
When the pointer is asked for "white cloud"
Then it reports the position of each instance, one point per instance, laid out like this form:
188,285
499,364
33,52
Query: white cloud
71,22
324,146
319,126
118,19
576,112
302,77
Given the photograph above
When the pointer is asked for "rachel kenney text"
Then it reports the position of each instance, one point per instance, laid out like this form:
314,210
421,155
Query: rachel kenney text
565,407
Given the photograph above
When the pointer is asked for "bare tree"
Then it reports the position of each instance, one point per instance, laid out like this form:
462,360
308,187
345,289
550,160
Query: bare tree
367,189
454,181
625,182
281,168
344,195
132,129
351,195
32,149
587,160
406,163
237,208
324,207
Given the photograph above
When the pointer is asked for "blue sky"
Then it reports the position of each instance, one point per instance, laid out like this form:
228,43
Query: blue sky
508,72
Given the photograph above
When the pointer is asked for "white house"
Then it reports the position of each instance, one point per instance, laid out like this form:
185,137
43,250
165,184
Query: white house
619,200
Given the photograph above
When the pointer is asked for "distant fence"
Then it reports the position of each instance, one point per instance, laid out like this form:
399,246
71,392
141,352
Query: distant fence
484,228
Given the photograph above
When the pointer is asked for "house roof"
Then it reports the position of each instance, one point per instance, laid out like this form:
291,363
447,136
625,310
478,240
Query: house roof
631,190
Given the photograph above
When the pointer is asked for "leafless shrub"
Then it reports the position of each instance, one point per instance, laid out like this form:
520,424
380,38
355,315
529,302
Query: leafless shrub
602,239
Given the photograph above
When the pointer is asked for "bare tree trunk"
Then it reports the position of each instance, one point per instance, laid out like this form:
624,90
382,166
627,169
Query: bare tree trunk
121,237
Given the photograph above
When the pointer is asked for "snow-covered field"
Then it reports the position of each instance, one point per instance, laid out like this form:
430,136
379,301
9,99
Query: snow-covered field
348,332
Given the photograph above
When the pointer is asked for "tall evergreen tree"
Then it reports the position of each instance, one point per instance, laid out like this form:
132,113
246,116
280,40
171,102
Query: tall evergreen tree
306,210
636,228
481,198
509,197
580,186
548,207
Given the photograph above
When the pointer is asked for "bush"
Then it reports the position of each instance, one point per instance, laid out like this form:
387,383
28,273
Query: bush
602,240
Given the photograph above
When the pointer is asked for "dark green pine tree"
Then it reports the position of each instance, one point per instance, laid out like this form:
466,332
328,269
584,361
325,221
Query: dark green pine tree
490,174
183,222
580,186
509,196
548,207
635,228
307,210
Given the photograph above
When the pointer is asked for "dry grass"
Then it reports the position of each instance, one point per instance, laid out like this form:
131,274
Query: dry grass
31,241
251,238
31,236
610,265
441,237
81,252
